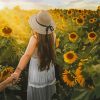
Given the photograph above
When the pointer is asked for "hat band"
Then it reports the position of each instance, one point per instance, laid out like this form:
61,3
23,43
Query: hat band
47,27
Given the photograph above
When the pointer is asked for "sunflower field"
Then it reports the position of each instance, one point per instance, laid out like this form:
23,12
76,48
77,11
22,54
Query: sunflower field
77,52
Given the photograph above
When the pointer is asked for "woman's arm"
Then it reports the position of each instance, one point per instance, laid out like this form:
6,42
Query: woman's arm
26,57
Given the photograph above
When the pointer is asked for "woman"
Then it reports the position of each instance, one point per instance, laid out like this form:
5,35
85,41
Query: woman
41,53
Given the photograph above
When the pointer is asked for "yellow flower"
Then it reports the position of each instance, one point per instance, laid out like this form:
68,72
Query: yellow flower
6,72
73,37
68,78
92,36
79,77
57,42
70,57
80,21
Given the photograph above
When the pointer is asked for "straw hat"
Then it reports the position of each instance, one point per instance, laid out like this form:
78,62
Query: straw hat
42,22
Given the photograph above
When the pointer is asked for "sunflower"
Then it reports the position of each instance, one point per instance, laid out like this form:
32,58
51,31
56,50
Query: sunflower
80,21
68,78
92,36
69,12
6,72
73,37
70,57
79,77
57,42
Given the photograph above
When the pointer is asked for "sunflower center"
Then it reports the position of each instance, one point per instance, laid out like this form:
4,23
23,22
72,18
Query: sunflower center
80,20
70,56
95,19
80,11
91,20
73,36
84,16
6,30
69,12
70,77
92,35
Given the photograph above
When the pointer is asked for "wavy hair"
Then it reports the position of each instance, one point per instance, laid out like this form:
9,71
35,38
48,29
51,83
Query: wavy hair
46,50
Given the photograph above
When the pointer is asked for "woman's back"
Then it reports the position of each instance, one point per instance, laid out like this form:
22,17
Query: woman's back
39,78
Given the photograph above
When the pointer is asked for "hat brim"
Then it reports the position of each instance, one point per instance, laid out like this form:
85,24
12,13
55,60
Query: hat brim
38,28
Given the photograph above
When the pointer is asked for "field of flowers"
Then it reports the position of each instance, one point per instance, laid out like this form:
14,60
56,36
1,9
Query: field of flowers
77,52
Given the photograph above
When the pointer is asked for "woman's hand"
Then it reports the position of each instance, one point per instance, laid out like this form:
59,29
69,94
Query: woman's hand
11,80
15,77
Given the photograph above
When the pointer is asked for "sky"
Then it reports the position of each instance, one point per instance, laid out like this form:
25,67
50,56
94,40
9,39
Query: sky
47,4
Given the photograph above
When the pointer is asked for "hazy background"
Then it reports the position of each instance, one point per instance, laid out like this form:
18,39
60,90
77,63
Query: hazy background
46,4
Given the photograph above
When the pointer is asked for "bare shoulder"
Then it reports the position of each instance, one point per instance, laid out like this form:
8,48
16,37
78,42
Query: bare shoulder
33,39
31,46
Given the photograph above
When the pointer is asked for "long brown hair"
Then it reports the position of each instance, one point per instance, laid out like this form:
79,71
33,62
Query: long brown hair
46,50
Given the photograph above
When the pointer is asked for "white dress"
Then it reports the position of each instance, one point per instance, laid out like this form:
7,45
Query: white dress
41,84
